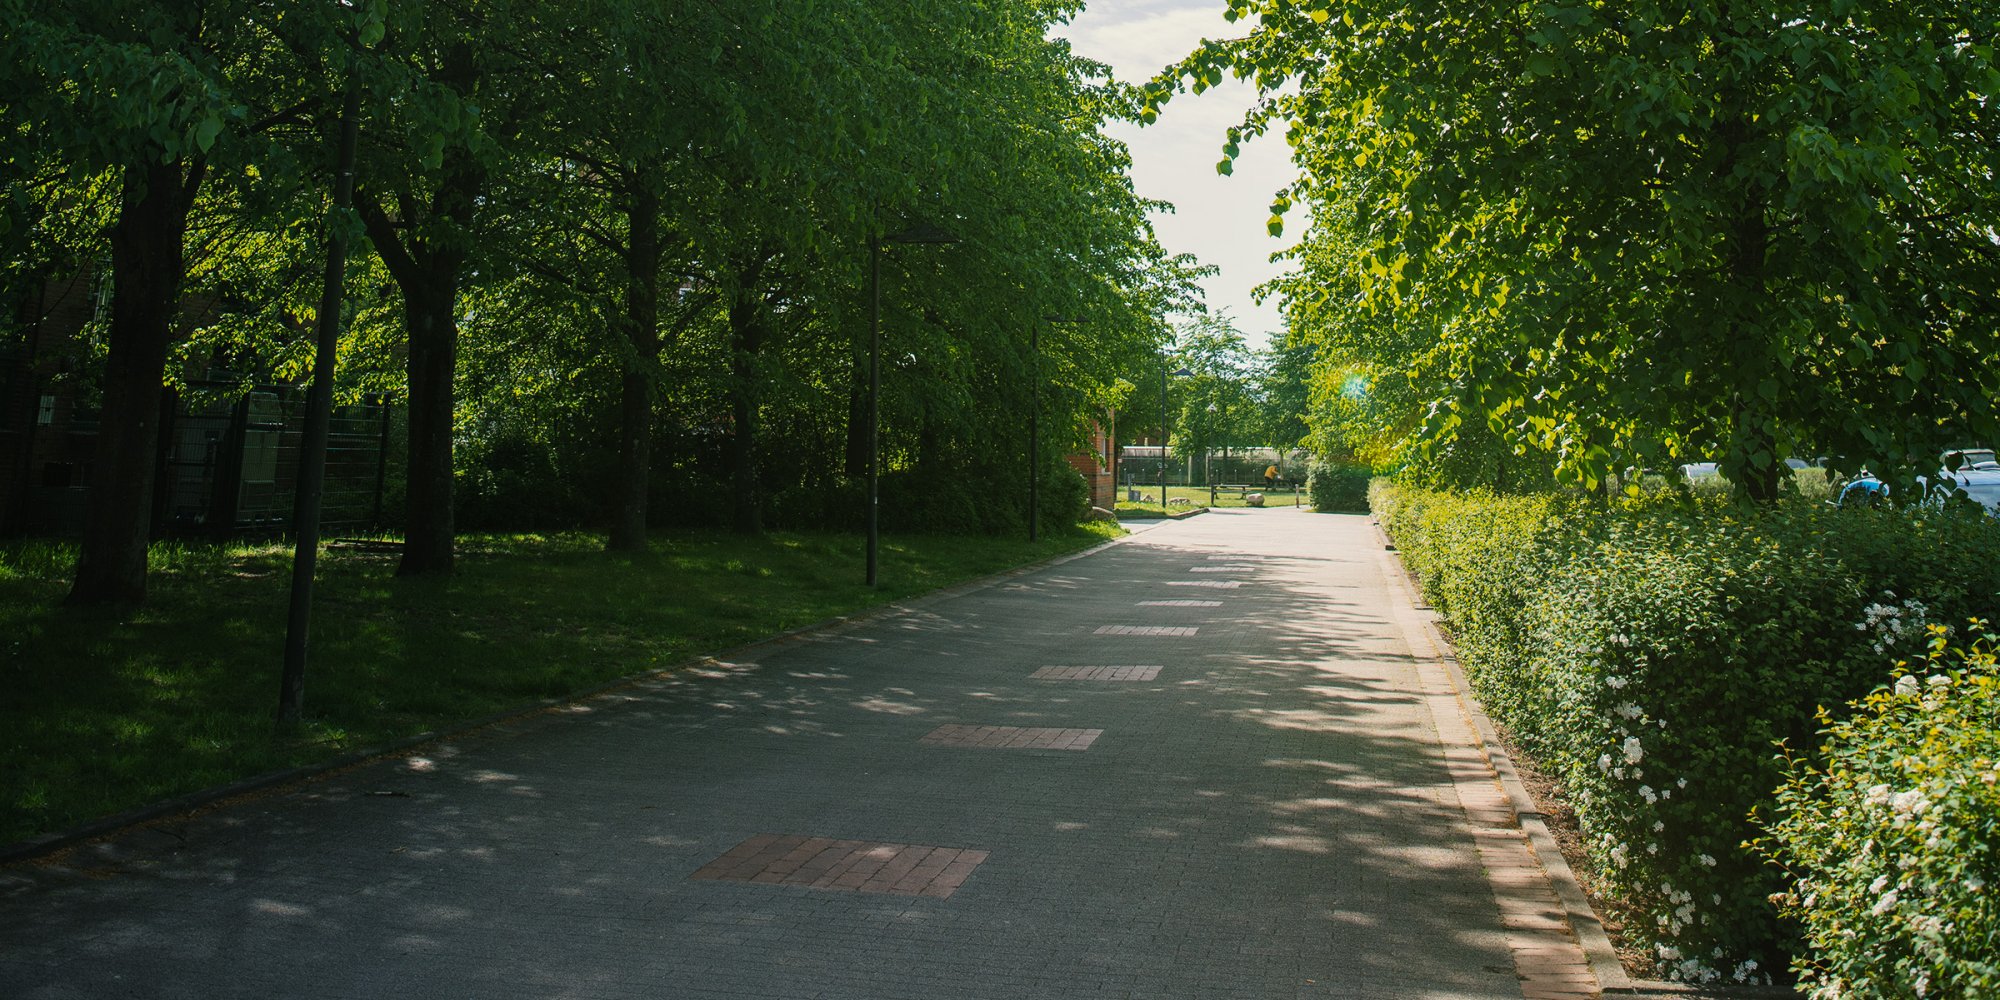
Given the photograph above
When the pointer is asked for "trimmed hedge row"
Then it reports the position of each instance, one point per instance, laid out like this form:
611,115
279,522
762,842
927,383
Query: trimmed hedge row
1650,653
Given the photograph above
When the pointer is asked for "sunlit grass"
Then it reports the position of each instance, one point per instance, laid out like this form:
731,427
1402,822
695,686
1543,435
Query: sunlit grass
103,711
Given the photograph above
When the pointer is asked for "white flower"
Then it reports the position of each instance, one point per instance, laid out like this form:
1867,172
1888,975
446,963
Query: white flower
1878,795
1906,686
1938,681
1646,792
1604,763
1633,752
1708,860
1975,883
1881,882
1614,682
1683,783
1629,710
1885,904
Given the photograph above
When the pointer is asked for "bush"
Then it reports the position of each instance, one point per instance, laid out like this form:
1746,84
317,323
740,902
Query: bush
1338,487
1649,653
1893,838
1065,498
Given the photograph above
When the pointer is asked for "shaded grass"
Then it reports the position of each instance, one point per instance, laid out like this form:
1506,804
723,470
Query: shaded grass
102,711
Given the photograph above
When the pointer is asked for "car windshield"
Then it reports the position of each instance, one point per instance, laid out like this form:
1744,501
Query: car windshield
1973,458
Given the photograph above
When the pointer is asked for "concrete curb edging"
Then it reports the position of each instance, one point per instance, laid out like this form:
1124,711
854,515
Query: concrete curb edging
1183,515
750,652
1588,927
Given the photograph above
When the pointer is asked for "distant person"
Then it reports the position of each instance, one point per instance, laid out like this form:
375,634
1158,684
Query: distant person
1270,478
1866,491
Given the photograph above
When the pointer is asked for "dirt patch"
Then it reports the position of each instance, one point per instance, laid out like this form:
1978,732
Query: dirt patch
1556,811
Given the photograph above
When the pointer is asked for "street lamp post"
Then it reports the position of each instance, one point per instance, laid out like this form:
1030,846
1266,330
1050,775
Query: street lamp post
1163,430
1035,425
914,234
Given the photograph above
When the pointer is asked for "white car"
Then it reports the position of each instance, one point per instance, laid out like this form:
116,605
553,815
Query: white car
1980,484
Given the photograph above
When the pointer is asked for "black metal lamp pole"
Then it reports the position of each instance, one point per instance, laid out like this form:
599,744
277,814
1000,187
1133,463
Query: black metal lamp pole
914,234
1163,430
1035,432
874,394
1163,437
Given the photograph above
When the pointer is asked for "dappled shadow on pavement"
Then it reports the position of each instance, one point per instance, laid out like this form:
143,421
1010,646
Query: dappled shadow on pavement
1269,817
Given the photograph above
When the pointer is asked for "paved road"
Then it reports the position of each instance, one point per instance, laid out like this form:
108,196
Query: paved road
904,809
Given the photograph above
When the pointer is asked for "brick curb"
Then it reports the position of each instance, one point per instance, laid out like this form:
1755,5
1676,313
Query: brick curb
1612,978
751,652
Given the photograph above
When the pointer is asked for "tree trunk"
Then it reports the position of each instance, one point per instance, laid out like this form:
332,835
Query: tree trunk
642,334
1751,415
427,270
856,464
746,327
433,333
147,265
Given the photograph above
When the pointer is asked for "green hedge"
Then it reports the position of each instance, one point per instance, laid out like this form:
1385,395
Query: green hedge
1893,837
1338,487
1650,653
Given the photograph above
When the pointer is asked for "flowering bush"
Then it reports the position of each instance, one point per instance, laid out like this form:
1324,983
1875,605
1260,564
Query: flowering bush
1892,837
1649,654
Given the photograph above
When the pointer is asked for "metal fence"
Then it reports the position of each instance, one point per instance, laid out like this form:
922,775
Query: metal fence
228,465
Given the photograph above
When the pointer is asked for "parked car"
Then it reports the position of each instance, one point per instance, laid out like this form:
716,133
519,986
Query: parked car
1980,484
1971,459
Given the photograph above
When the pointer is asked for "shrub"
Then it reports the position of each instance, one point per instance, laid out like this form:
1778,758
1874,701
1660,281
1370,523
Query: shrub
1892,838
1065,496
1338,487
1648,653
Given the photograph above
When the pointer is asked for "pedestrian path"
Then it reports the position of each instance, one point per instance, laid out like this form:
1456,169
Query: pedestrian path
1216,760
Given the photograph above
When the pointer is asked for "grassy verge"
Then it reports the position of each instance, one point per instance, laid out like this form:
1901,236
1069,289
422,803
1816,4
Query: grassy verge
101,712
1198,496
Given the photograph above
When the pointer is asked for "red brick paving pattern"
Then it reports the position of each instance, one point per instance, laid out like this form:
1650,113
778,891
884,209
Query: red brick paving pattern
1097,673
1011,738
853,865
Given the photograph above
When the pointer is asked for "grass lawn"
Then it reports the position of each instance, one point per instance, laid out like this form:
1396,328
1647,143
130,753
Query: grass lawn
104,711
1197,496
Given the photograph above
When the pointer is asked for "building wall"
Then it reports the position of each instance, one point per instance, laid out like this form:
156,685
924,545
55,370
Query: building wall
1096,465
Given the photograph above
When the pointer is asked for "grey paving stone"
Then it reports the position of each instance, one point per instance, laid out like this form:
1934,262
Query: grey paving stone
1269,817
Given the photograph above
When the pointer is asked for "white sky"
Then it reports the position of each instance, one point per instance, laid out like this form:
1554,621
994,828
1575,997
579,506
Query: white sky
1218,219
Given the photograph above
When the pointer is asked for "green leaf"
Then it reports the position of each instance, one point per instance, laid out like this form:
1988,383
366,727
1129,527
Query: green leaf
206,131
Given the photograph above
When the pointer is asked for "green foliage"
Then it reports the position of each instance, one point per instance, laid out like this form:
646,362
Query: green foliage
1891,833
1339,486
1632,235
1649,653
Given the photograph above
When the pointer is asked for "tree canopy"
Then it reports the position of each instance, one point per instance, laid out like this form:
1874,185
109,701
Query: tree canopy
619,248
1637,235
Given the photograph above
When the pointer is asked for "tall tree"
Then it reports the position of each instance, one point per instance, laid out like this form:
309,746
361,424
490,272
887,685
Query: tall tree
150,99
1636,234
